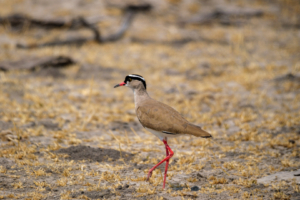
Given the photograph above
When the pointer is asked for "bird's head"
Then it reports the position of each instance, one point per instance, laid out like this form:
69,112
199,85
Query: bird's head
133,81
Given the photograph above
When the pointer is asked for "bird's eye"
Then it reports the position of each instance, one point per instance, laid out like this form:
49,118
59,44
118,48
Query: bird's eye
130,79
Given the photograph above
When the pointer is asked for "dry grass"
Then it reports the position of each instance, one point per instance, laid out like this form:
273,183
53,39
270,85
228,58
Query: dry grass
228,86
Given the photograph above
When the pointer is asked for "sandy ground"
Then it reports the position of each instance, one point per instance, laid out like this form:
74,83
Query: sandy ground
65,133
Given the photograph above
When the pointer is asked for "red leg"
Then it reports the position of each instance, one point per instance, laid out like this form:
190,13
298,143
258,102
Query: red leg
169,153
166,167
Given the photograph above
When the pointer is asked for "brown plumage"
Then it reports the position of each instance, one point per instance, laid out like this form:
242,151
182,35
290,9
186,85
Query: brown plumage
160,117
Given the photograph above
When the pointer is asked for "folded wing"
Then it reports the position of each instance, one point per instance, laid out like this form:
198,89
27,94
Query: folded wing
160,117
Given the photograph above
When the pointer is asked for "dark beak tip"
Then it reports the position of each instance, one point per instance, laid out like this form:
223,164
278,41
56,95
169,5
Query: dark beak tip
118,85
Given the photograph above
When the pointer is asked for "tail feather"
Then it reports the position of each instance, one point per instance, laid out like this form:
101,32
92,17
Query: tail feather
197,131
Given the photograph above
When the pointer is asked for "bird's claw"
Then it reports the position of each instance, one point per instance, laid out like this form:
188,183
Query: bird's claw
149,175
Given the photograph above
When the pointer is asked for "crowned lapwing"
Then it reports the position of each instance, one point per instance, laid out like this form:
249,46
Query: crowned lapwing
158,118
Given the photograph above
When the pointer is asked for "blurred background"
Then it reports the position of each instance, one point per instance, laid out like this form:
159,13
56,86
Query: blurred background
183,48
230,66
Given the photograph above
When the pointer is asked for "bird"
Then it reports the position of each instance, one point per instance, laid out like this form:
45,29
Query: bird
158,118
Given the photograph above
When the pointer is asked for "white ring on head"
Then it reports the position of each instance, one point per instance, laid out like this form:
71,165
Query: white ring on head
131,75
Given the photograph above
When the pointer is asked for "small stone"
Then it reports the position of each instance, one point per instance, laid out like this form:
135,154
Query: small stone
292,141
200,176
195,188
49,124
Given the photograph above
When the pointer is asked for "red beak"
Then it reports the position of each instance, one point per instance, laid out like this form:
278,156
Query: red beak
121,84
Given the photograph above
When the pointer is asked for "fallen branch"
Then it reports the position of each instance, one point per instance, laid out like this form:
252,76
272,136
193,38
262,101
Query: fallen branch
120,33
32,62
225,15
19,21
130,12
288,77
179,42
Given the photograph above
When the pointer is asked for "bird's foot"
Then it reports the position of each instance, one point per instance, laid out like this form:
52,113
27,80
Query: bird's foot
149,175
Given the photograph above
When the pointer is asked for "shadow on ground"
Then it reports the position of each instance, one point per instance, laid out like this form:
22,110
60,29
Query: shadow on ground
94,154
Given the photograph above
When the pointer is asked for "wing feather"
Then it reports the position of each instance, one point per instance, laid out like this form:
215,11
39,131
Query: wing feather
160,117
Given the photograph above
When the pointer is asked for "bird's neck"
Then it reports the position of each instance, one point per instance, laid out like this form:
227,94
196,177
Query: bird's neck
140,94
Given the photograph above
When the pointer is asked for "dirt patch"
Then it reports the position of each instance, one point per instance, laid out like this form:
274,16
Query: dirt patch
94,154
119,125
98,72
5,125
6,162
94,194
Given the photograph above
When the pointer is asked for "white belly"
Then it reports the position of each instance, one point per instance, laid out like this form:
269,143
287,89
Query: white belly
161,135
